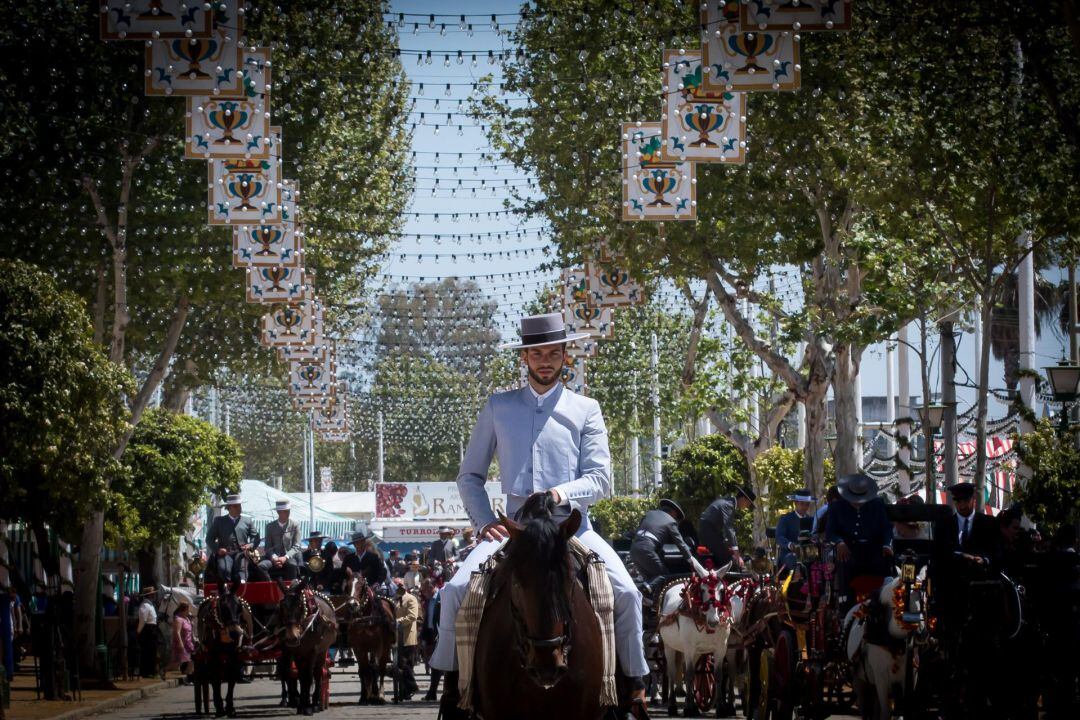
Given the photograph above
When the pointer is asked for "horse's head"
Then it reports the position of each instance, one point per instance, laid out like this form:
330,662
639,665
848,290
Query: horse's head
708,593
905,601
229,617
292,613
541,587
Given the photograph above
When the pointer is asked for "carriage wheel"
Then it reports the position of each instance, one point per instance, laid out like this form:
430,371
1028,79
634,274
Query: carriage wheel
765,689
840,686
783,677
704,681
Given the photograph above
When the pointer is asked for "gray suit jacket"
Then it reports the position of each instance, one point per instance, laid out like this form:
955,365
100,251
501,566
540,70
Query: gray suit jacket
281,543
561,444
223,533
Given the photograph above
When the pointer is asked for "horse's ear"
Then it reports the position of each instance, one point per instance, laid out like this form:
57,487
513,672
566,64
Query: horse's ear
511,527
721,572
570,525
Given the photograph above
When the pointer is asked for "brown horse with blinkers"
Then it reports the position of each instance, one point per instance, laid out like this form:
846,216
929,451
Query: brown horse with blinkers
538,648
306,627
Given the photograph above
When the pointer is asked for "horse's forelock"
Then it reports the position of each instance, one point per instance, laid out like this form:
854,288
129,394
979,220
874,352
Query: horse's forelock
540,551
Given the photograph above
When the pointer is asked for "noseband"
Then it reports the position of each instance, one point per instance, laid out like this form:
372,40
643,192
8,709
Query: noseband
527,641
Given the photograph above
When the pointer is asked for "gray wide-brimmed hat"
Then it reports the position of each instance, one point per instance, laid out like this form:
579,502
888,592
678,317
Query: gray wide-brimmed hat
858,488
233,500
540,330
282,505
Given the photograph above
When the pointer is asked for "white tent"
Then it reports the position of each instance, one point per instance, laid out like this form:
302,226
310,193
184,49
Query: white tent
259,499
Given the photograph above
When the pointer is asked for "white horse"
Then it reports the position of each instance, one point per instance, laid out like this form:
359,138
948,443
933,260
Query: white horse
692,626
879,669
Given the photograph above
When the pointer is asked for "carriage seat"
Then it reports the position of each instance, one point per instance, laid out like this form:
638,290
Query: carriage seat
255,593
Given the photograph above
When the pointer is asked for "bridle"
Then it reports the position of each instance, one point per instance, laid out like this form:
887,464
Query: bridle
525,641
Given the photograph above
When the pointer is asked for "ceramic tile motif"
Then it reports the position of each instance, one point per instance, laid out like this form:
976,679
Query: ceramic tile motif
233,126
699,124
738,59
801,16
654,187
276,285
245,192
154,19
199,66
269,245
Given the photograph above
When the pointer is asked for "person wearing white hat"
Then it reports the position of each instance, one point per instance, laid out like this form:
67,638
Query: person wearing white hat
548,439
229,539
282,544
791,524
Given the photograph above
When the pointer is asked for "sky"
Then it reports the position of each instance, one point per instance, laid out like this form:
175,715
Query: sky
512,292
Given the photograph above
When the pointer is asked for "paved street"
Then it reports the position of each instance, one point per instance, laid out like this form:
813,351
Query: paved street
260,699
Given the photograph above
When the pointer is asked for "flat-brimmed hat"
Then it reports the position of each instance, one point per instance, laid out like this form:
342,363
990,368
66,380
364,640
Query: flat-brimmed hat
446,529
282,505
316,535
801,495
672,506
233,500
962,491
360,536
147,591
858,488
747,492
540,330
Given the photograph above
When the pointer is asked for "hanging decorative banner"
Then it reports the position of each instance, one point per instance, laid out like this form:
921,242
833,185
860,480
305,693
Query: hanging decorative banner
738,60
198,66
334,418
610,285
276,285
311,402
802,16
654,188
314,378
575,282
291,325
580,348
282,244
597,321
155,19
699,124
245,192
573,374
233,126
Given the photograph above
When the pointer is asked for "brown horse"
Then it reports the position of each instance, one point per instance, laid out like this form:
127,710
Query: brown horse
371,637
306,628
224,622
538,648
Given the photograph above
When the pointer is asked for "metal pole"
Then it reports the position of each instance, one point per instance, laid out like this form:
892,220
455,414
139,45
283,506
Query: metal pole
228,419
890,393
305,471
311,473
1074,323
800,441
654,365
1026,289
903,427
379,465
635,466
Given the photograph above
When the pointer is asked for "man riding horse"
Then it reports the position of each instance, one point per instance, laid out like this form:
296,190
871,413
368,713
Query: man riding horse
548,440
230,540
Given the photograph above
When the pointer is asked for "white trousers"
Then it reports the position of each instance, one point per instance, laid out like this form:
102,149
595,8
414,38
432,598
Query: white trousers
628,632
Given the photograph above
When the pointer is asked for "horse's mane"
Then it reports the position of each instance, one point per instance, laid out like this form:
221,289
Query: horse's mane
541,548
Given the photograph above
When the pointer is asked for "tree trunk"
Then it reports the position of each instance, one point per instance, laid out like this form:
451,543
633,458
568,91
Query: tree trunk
50,563
814,452
100,301
147,576
701,309
930,477
982,402
848,455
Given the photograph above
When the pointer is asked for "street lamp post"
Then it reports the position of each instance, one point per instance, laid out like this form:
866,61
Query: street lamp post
931,417
1065,387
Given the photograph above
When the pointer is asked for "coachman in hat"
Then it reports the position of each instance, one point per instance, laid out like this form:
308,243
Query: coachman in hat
282,545
791,524
229,540
860,528
549,440
717,527
658,528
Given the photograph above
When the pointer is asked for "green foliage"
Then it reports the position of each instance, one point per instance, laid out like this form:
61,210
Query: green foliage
171,466
704,470
781,471
619,514
61,404
1052,496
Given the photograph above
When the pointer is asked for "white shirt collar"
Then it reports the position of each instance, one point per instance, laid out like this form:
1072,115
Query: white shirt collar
540,398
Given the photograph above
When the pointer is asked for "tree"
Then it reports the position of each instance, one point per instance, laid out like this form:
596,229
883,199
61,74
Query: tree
1051,496
780,470
98,190
61,412
171,466
704,470
616,516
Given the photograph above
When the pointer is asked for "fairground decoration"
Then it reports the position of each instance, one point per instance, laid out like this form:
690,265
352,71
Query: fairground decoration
573,374
291,325
311,402
741,60
575,282
802,16
597,322
233,126
199,66
245,192
282,244
334,418
654,187
610,285
699,124
276,285
313,378
582,348
155,19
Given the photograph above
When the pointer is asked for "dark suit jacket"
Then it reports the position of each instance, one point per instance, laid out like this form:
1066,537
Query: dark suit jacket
983,538
370,566
285,543
224,533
